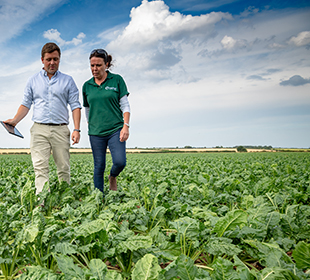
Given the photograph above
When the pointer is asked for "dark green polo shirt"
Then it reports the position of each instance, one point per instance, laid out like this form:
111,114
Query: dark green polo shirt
105,115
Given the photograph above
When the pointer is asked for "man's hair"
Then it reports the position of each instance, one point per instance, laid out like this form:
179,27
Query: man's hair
49,48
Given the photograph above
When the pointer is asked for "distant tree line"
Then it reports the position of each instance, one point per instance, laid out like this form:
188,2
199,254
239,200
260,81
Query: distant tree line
241,149
248,147
258,147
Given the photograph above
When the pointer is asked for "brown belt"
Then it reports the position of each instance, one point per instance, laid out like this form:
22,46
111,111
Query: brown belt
53,124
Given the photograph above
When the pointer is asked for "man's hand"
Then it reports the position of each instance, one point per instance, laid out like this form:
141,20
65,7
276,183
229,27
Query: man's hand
76,115
11,122
75,137
21,113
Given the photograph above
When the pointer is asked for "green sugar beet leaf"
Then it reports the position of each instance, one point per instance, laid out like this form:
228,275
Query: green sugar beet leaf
301,255
70,270
98,269
39,273
186,226
230,221
186,268
66,248
222,246
270,254
146,268
223,270
113,275
243,271
134,243
26,193
182,268
30,233
48,232
89,228
276,273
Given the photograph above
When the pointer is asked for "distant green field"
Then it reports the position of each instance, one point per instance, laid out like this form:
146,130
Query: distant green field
175,216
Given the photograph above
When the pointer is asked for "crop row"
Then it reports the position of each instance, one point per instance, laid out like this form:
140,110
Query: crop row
175,216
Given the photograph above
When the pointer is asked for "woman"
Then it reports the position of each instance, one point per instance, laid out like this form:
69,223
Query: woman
107,112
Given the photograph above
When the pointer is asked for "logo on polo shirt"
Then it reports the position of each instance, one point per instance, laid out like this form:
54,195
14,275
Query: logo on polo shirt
110,88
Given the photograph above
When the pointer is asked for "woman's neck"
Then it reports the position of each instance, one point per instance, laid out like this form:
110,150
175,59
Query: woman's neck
99,81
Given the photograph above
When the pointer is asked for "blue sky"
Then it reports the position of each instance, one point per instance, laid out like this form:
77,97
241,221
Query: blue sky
200,73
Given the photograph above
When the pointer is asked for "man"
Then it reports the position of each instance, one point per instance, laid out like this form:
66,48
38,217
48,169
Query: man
50,92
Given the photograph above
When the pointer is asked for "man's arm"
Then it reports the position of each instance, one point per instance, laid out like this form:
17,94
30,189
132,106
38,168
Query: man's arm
76,115
21,113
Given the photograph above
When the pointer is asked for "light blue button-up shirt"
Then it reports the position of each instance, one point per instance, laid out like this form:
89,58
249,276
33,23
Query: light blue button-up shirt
50,97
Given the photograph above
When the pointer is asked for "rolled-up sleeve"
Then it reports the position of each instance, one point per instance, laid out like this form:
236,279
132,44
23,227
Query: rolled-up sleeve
28,95
73,98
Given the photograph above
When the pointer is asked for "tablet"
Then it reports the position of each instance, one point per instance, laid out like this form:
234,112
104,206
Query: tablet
12,129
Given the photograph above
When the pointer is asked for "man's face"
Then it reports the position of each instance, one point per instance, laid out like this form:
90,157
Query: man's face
51,62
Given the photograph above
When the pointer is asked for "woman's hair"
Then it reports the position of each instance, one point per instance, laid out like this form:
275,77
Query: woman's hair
49,48
103,54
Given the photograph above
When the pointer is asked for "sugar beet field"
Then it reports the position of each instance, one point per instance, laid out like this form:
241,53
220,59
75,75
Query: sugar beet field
175,216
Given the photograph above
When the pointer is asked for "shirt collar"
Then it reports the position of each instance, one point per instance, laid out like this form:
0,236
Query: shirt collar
110,76
45,73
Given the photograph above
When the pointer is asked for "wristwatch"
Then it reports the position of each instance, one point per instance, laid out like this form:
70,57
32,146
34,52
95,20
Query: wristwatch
77,130
127,124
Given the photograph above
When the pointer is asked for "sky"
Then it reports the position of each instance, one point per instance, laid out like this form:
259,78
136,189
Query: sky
200,73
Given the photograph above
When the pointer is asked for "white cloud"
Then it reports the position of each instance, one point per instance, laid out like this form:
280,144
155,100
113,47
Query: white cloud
156,40
230,43
276,46
54,35
152,22
249,11
78,40
302,39
255,77
16,15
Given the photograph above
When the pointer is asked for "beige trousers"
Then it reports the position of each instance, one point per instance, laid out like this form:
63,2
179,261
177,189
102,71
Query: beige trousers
44,140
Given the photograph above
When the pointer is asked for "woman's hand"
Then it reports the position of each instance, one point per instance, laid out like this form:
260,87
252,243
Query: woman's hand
124,135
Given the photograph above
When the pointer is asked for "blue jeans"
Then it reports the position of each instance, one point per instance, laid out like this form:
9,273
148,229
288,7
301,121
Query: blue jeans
117,148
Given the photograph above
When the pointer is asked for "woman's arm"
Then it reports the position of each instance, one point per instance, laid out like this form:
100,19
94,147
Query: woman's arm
125,130
125,107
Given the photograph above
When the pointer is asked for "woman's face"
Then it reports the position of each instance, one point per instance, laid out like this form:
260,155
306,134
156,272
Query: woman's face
98,68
